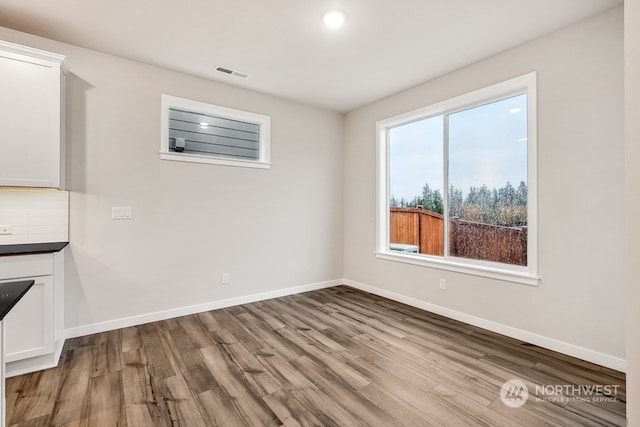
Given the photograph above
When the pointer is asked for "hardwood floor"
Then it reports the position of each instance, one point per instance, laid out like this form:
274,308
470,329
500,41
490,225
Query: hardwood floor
331,357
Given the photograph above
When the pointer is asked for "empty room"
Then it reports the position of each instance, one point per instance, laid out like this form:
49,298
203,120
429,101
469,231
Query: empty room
319,213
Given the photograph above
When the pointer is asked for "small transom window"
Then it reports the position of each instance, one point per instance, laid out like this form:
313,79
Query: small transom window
194,131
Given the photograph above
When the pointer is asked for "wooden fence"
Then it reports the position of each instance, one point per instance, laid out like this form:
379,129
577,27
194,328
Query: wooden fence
425,229
415,226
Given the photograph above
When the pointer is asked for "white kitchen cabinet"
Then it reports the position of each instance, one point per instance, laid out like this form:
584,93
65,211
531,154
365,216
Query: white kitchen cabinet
33,330
31,117
29,325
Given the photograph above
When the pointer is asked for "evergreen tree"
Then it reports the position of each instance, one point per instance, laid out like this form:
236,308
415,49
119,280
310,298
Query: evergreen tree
432,199
456,200
521,194
505,206
417,201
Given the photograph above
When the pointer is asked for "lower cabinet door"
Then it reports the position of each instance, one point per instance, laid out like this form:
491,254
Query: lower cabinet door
29,325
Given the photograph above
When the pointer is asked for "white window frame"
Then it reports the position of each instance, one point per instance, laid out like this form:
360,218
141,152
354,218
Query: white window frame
519,274
264,145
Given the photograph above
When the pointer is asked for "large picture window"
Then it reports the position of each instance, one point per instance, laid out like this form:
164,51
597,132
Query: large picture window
457,183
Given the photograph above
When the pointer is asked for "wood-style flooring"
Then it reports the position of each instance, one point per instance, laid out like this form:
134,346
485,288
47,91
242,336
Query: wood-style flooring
333,357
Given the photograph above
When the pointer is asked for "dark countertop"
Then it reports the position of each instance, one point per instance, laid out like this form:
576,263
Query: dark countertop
31,248
10,294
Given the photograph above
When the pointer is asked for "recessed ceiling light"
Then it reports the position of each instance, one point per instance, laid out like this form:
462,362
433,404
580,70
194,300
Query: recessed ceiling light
515,110
204,125
333,18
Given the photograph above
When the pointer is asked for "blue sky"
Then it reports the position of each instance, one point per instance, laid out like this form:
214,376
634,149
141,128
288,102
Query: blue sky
487,145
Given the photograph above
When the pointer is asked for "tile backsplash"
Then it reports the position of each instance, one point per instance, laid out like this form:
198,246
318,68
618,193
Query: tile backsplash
34,215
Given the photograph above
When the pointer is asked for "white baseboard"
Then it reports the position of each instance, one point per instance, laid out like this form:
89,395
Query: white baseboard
539,340
602,359
126,322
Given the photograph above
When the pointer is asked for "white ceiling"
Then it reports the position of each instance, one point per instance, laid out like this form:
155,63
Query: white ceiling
385,45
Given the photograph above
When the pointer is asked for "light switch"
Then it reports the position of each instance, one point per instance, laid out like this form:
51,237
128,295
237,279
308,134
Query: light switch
121,212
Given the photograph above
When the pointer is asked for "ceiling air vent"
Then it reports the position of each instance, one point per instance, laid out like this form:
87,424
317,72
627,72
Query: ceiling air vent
232,72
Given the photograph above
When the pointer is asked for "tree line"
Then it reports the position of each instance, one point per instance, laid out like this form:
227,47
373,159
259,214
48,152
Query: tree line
506,205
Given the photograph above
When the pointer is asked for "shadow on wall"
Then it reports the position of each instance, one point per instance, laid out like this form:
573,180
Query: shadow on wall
75,182
83,300
76,133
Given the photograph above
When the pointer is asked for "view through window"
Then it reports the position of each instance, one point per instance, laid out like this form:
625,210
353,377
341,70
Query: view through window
458,182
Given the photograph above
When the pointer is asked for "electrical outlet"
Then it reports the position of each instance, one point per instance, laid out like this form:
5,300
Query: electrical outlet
225,278
443,284
6,229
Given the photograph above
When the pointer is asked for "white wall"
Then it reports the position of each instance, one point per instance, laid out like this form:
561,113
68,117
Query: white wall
269,229
632,181
579,304
284,227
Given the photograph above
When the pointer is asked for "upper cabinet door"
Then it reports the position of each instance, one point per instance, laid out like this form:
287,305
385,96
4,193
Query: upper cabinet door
31,117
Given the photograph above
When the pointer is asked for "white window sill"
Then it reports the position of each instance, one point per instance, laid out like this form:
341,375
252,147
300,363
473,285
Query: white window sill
474,270
194,158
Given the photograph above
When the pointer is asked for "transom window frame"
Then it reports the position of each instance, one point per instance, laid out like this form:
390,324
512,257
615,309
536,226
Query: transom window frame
263,121
519,274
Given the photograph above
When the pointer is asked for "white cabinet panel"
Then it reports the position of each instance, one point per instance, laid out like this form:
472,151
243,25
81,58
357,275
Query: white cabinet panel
29,325
33,328
19,266
31,117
